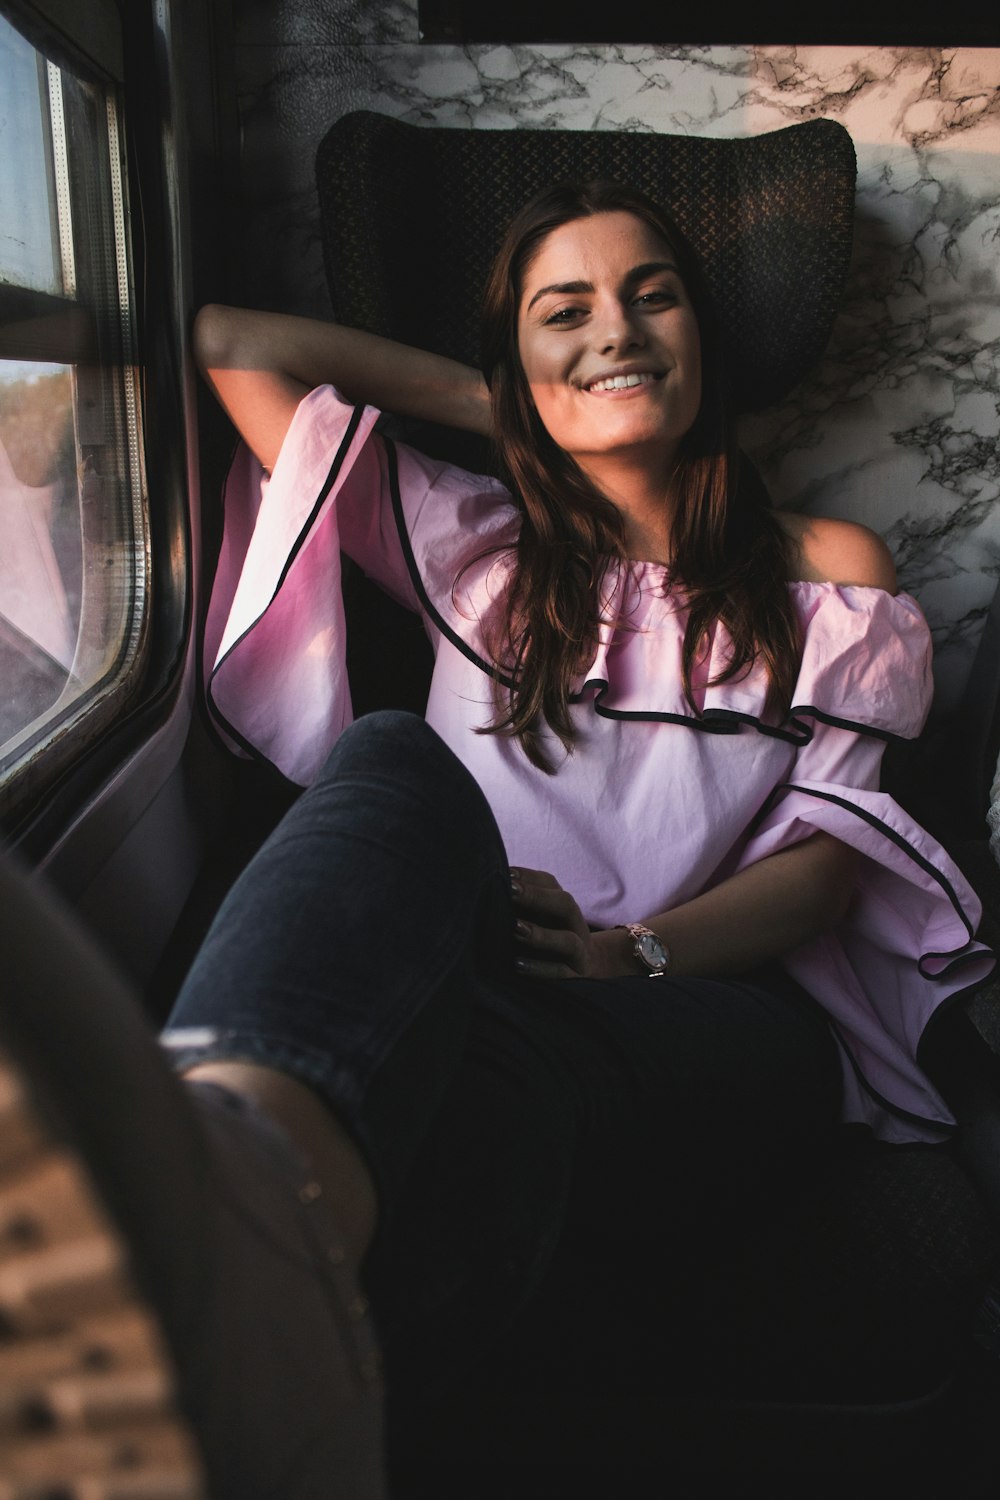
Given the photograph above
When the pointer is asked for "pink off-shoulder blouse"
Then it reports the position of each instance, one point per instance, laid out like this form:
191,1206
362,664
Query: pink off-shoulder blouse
656,802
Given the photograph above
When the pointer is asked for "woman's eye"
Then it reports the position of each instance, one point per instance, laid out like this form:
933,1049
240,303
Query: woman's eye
563,315
660,297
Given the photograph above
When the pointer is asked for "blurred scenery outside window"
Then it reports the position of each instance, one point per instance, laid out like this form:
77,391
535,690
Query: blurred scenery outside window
73,559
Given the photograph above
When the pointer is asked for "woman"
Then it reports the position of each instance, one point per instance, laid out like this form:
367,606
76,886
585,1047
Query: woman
675,704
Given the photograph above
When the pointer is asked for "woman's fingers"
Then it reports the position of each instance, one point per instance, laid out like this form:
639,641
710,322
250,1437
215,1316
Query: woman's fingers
554,908
550,963
538,895
555,944
551,935
538,968
524,882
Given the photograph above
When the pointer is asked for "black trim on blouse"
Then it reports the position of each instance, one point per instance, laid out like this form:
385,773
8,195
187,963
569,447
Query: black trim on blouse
426,602
949,1127
957,957
332,476
713,721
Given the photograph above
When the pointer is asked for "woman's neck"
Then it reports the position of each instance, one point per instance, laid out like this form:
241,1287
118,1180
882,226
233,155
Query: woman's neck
646,503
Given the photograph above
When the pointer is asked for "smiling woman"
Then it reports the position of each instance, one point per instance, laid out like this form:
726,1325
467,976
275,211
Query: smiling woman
628,579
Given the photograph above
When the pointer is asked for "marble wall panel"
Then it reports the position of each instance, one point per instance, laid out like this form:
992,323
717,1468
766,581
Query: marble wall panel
898,426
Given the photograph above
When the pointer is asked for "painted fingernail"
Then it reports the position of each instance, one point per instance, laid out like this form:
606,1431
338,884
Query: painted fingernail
523,929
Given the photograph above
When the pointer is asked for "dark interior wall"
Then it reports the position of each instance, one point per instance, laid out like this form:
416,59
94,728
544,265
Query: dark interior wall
890,23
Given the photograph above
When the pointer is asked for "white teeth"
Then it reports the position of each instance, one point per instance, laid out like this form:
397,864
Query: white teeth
621,382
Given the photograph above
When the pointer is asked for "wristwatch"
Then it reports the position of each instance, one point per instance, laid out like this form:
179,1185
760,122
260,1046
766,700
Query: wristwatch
650,951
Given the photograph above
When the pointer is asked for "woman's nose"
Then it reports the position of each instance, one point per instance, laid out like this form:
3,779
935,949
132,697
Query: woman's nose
618,328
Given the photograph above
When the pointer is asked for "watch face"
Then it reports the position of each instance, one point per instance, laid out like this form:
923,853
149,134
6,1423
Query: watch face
652,950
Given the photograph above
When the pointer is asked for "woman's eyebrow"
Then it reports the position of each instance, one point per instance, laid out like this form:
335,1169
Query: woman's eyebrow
637,273
649,268
565,288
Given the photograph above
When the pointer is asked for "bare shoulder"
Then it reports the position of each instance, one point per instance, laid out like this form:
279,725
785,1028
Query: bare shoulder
829,551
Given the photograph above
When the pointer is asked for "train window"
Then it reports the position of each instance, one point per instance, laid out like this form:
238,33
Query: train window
74,562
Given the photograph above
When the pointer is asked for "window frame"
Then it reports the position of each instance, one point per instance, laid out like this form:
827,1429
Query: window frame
66,766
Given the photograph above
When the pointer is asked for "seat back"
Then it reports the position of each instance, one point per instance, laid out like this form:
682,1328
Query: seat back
412,216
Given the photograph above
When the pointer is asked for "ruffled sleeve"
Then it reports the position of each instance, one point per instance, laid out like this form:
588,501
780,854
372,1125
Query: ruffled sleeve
907,943
866,661
275,638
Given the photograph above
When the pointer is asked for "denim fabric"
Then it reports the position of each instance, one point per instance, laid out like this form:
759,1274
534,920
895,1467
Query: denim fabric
375,901
368,950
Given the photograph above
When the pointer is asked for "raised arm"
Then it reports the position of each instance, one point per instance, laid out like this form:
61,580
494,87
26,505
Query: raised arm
261,364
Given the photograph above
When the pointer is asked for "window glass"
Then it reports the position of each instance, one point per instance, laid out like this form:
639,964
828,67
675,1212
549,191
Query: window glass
40,564
73,566
29,250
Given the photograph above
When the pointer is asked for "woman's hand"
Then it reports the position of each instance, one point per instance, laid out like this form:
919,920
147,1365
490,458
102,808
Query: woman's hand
553,939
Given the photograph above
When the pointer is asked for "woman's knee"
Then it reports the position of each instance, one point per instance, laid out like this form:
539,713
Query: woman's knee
401,759
386,739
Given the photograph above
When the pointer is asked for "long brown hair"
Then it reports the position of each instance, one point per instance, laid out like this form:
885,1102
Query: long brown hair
729,551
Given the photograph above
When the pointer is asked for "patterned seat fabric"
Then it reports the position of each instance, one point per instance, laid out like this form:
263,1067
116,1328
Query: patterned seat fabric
412,216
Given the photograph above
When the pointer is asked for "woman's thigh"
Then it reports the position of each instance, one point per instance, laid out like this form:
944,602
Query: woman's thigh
704,1100
678,1095
352,936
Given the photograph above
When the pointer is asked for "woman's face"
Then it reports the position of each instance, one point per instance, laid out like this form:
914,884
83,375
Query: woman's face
609,343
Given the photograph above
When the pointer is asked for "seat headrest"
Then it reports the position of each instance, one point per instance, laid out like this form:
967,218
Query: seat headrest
412,215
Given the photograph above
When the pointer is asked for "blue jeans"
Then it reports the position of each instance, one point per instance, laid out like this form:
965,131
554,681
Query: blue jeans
367,950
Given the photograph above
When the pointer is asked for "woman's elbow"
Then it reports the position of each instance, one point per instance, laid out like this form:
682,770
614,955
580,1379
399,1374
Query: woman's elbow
214,337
